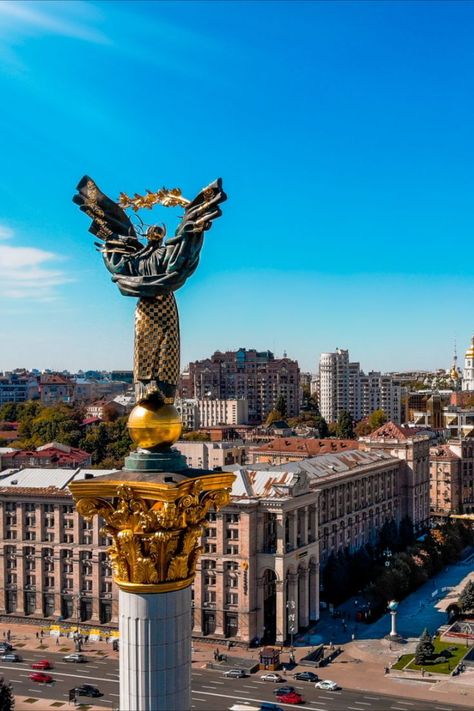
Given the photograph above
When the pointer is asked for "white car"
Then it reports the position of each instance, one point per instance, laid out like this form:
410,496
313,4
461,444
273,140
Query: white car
327,685
272,677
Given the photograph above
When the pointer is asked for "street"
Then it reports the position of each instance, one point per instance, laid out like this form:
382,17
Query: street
211,691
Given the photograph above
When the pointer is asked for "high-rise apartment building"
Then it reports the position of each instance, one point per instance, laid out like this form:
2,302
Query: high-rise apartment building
255,376
344,386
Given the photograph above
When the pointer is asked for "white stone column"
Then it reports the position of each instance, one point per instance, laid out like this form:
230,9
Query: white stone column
155,651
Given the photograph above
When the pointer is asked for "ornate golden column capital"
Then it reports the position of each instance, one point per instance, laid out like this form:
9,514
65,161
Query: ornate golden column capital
155,527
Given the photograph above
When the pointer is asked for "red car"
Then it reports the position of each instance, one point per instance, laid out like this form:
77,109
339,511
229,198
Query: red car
292,698
42,664
41,678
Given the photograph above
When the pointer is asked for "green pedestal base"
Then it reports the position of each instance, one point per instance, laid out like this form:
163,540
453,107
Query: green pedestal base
167,460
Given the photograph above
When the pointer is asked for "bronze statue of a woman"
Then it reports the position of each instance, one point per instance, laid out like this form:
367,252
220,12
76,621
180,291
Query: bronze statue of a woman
152,272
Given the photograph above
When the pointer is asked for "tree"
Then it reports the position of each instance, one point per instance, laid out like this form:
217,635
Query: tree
406,533
377,419
362,428
9,412
273,416
281,406
345,426
7,700
425,648
322,426
466,598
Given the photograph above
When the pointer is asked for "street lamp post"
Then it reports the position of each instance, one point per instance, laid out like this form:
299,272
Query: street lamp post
291,607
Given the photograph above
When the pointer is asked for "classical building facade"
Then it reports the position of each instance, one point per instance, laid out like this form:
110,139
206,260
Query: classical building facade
53,563
255,376
258,575
452,477
411,447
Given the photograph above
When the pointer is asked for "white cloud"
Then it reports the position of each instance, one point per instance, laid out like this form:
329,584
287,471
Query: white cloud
25,273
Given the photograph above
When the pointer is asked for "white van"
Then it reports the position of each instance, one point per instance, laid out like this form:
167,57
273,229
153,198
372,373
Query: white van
243,707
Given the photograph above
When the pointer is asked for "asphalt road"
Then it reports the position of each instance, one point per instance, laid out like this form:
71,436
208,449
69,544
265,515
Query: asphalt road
211,691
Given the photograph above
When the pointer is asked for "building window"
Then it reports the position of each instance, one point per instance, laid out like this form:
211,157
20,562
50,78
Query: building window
11,578
232,533
210,533
232,518
10,535
231,565
232,599
30,536
210,596
232,550
210,548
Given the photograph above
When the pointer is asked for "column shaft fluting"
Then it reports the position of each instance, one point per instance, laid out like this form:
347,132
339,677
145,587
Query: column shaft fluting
155,651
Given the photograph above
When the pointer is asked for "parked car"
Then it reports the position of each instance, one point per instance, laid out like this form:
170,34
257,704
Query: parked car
87,690
5,647
273,676
41,677
75,657
293,698
268,706
236,673
42,664
306,676
327,685
284,690
11,657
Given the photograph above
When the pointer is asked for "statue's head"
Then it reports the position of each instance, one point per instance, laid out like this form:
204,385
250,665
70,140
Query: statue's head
156,233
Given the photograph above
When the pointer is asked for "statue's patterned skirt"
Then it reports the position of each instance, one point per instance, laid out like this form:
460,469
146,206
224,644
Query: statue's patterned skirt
156,357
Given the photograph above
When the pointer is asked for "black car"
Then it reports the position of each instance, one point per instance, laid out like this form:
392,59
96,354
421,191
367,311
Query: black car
87,690
5,647
306,676
282,690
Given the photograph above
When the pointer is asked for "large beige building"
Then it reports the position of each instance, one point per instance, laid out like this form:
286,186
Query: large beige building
412,448
53,563
258,575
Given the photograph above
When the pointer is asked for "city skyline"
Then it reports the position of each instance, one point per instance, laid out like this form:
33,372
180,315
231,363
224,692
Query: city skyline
342,133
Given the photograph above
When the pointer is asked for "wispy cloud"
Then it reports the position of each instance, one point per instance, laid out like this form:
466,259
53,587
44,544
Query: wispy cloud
25,272
5,232
69,19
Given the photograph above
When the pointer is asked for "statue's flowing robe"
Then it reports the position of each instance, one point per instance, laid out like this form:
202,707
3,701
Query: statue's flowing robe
153,274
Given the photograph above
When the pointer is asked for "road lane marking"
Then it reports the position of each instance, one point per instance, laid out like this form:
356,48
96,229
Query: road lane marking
363,703
374,698
260,701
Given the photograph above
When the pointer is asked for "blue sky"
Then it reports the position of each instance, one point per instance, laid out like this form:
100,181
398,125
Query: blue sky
343,134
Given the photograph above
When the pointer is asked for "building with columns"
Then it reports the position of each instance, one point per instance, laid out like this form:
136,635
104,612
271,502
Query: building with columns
259,555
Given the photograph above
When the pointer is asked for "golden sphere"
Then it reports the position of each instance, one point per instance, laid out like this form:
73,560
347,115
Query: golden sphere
151,425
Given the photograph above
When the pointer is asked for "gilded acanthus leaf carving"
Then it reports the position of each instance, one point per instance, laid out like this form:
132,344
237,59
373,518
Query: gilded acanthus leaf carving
155,541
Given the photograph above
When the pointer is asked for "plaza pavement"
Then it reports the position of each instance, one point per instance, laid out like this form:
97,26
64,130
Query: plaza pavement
360,666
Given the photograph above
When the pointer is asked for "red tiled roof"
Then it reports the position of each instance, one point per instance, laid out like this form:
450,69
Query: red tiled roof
392,431
35,491
442,452
307,446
